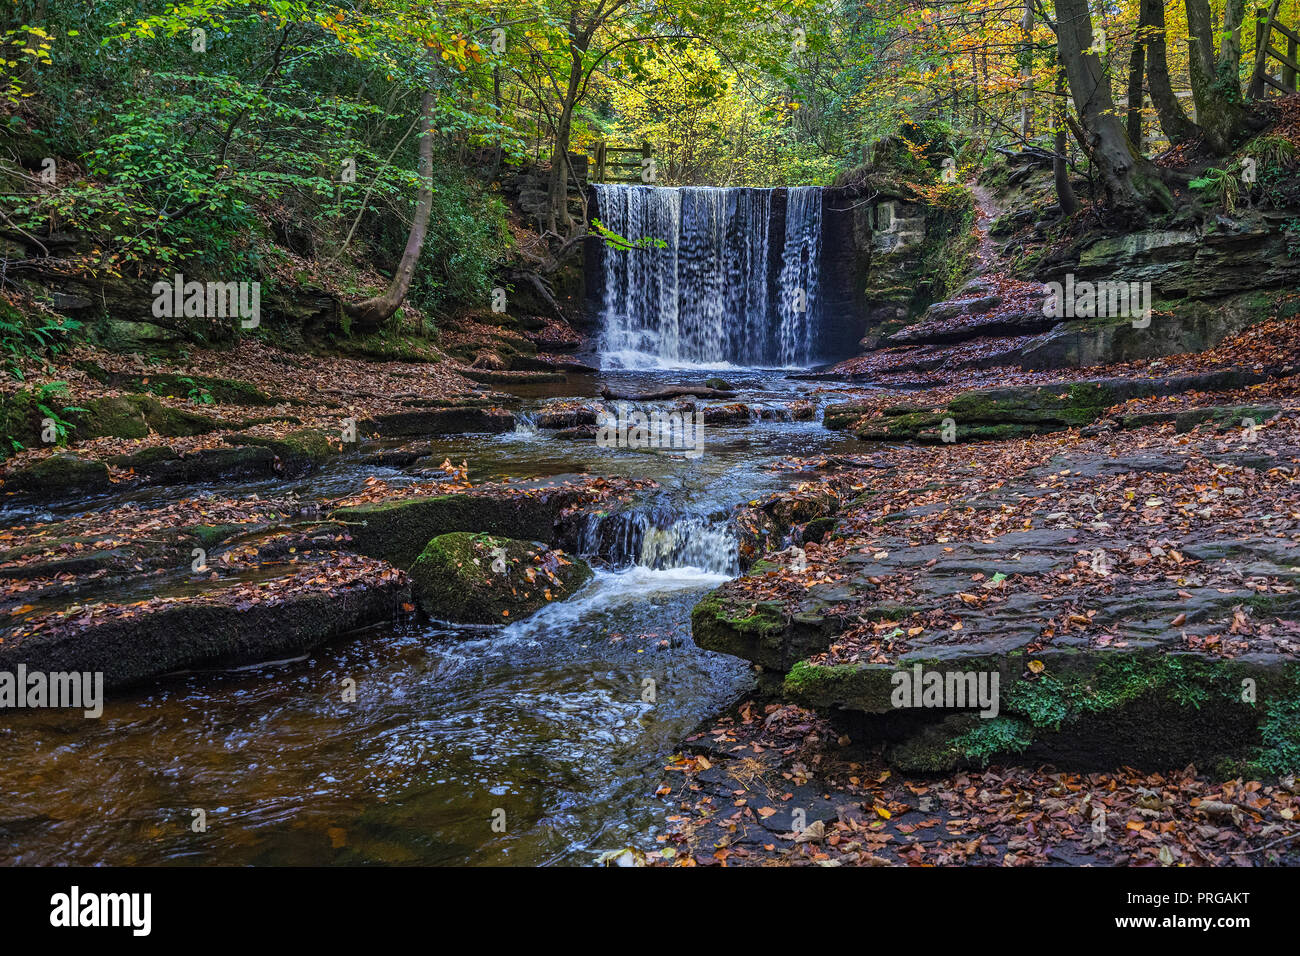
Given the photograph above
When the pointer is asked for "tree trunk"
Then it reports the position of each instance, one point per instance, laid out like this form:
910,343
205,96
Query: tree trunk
1132,183
1060,168
1216,89
1136,64
558,219
1173,119
378,309
1026,56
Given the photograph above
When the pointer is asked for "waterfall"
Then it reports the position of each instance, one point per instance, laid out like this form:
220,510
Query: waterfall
730,277
659,539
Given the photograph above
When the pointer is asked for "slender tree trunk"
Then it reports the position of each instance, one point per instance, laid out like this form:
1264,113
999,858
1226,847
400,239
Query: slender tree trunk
1136,94
378,309
1132,183
558,219
1173,119
1026,56
1060,168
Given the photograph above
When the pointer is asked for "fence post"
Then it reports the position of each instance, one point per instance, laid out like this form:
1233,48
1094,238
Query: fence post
600,161
1288,73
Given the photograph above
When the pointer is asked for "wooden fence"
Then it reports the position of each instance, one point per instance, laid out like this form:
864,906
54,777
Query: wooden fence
1269,30
606,170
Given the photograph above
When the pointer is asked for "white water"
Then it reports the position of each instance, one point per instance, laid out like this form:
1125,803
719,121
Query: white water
726,288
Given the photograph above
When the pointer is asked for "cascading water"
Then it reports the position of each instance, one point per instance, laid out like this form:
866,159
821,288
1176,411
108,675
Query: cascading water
659,539
725,276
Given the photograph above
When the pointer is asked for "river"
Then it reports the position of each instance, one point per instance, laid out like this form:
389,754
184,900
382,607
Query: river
528,744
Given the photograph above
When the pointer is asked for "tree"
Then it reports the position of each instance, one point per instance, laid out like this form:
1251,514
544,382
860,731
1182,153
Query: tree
379,309
1173,119
1131,181
1216,84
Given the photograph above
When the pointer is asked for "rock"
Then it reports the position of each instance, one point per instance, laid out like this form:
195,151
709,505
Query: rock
479,578
439,421
1017,411
135,416
143,337
1151,676
59,476
297,452
398,531
567,415
721,384
224,624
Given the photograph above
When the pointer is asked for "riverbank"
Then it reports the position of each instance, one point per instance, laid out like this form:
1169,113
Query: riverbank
1117,546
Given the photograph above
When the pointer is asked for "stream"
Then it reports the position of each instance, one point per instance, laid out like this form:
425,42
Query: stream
528,744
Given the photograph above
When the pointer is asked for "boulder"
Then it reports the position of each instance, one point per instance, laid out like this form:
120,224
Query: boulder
484,579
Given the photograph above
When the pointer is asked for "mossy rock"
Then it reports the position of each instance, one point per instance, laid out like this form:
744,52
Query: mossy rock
299,451
721,384
168,384
1087,709
135,416
1224,417
757,631
59,476
19,422
483,579
397,531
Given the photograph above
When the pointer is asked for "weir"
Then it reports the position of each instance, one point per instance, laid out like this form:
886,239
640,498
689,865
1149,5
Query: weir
718,276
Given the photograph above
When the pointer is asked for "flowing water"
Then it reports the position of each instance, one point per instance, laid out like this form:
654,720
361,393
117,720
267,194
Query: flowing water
542,727
729,277
544,719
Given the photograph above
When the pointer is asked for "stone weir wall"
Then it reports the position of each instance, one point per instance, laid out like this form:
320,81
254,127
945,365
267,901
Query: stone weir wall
849,244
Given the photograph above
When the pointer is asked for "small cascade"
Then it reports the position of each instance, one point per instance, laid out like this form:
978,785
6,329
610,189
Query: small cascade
525,424
727,277
660,539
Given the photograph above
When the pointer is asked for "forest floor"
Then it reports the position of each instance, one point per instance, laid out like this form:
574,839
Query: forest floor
1133,511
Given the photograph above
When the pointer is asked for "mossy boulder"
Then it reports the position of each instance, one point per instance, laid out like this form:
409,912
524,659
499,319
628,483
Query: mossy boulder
297,452
397,531
59,476
135,416
484,579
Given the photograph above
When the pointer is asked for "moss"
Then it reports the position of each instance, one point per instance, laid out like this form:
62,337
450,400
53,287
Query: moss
806,679
764,619
210,535
454,579
19,420
998,735
1109,682
58,476
1279,751
398,531
168,384
818,528
135,416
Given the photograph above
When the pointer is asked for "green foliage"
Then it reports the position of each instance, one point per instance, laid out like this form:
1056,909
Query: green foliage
1220,187
467,236
1279,752
62,427
32,334
615,241
997,735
